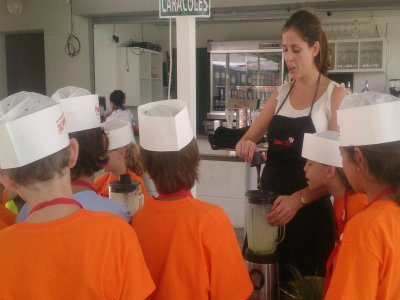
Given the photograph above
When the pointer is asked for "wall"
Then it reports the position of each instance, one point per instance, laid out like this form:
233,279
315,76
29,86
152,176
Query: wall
105,51
53,18
3,73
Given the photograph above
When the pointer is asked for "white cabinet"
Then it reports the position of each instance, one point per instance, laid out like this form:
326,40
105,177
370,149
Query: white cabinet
358,55
140,75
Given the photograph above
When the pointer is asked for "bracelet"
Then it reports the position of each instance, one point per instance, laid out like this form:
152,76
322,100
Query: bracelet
303,200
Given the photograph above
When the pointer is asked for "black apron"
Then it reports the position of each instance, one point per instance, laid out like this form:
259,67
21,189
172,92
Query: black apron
309,236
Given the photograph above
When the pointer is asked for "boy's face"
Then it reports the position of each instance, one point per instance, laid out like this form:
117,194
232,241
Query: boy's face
316,174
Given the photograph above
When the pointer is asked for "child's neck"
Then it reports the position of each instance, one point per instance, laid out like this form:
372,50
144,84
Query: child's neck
336,188
80,188
118,171
39,192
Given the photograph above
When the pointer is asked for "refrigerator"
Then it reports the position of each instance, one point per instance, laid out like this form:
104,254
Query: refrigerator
243,75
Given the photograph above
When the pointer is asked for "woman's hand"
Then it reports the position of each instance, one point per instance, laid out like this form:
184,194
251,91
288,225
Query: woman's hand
283,210
245,149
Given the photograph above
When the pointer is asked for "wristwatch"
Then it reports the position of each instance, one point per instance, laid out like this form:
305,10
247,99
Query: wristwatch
303,200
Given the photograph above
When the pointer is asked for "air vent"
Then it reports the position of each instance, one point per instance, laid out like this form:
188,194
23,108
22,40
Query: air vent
270,45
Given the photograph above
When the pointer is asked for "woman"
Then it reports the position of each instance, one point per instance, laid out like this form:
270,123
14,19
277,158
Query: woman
368,257
307,104
117,100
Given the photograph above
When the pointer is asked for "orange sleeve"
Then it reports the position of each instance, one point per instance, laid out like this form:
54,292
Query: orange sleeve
7,216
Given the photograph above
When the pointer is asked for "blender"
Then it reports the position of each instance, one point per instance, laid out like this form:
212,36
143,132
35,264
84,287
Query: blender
259,249
394,87
127,192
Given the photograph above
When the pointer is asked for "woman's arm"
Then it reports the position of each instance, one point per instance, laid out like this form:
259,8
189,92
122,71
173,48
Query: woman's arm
337,97
247,144
286,207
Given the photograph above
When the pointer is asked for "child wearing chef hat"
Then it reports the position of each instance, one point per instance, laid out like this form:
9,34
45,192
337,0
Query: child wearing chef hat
189,245
82,115
324,170
123,157
57,252
367,263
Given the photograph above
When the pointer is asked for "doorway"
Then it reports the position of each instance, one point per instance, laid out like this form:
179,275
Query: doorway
25,63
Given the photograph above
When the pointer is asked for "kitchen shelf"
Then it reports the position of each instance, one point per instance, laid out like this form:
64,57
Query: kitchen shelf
358,55
139,75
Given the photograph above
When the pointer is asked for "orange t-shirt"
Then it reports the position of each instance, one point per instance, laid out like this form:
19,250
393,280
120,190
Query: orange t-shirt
368,262
356,202
101,183
86,255
191,251
7,216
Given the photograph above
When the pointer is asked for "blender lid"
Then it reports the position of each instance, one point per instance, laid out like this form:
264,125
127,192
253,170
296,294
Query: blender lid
125,183
261,196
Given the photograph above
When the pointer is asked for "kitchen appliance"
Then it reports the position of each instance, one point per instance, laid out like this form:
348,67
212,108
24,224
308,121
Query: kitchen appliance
261,241
243,75
127,192
394,87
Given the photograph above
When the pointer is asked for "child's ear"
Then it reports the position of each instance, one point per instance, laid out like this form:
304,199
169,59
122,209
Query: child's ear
330,171
74,146
7,182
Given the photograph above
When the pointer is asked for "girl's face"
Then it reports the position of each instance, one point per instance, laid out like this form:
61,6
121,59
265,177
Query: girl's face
316,174
351,171
299,57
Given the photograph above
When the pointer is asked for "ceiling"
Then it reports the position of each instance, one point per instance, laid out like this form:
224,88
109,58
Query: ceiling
147,10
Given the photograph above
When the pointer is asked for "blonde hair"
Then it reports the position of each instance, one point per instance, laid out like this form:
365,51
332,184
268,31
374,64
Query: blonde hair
133,160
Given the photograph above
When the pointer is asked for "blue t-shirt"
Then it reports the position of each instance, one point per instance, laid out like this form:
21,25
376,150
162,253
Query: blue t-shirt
90,201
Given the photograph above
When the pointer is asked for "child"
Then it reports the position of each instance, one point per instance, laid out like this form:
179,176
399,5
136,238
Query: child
60,251
83,123
324,170
368,257
189,245
123,157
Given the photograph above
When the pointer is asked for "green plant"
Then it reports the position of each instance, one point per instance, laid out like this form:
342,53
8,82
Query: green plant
306,287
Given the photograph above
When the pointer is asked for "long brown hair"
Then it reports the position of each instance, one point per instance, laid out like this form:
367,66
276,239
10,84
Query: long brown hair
133,160
310,30
383,162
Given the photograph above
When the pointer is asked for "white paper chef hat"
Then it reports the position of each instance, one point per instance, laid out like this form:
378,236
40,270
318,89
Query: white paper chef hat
322,147
119,133
32,126
164,125
369,118
81,108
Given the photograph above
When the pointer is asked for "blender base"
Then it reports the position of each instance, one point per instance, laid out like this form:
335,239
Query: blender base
265,279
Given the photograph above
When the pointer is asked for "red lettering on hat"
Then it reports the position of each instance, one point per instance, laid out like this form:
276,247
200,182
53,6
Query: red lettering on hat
61,124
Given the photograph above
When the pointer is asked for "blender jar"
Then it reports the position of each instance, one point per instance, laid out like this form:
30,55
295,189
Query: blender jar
127,192
262,238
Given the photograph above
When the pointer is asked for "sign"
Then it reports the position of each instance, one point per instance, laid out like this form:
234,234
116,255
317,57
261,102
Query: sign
179,8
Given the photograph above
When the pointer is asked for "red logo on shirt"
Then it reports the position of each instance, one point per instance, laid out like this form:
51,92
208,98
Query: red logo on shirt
286,143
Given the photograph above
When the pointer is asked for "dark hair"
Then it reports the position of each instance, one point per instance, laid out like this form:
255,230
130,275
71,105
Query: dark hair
310,30
173,170
133,160
93,145
383,162
117,97
41,170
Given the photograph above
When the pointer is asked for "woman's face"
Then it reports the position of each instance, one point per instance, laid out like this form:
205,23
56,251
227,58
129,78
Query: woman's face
316,174
351,171
299,57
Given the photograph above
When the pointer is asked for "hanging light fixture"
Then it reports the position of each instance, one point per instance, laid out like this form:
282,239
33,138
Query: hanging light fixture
14,7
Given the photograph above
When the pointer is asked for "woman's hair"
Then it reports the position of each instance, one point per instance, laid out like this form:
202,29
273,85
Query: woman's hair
173,170
133,160
41,170
310,30
93,145
118,98
383,162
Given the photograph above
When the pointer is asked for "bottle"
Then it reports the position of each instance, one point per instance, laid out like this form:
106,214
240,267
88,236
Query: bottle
365,88
348,88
